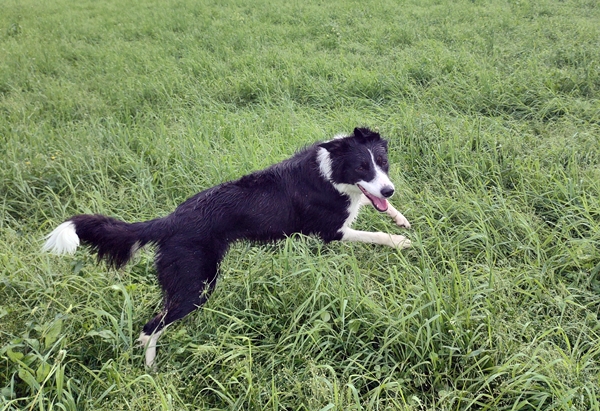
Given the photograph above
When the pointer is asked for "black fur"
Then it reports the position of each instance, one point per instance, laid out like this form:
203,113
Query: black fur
350,163
286,198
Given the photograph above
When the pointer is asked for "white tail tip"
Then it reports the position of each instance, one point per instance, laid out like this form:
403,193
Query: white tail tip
63,240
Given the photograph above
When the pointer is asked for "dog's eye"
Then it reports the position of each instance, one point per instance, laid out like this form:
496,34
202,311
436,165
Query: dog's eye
382,161
362,167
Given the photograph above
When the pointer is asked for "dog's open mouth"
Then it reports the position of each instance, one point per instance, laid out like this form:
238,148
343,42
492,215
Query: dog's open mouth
380,204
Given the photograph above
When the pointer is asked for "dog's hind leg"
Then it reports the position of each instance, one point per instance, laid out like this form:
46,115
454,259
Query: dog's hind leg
172,312
187,279
149,343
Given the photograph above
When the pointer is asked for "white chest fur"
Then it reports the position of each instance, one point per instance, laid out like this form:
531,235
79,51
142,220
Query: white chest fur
356,203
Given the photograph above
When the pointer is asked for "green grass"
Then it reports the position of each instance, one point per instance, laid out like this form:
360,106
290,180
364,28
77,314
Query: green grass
492,109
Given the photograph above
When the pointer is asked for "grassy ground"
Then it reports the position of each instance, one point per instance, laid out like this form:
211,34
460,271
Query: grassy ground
127,108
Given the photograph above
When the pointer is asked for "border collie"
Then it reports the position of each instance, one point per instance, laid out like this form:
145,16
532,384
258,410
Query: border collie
318,191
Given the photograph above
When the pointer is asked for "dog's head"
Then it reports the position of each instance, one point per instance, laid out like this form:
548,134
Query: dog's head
358,163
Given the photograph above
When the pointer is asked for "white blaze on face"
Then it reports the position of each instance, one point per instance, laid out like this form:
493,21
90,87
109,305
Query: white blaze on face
372,189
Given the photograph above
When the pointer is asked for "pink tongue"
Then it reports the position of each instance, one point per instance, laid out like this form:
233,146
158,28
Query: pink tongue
380,204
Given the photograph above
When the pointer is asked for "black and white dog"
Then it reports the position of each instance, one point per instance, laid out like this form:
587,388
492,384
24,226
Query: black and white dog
318,191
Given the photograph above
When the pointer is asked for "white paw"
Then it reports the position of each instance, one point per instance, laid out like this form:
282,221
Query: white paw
401,221
142,341
399,241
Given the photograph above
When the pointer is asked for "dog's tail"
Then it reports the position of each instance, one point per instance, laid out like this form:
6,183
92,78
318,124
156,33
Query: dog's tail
113,240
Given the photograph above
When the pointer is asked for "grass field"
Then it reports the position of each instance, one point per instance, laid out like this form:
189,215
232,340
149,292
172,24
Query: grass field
127,108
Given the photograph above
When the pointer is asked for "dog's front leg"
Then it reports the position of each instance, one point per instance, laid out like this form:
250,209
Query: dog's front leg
391,240
397,216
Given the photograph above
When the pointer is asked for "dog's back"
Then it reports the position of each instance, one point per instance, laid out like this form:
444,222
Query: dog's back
283,199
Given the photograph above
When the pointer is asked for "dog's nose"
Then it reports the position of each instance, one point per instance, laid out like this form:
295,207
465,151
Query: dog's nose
387,191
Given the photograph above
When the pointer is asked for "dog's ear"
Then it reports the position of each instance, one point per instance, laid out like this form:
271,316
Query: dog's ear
360,132
365,134
337,145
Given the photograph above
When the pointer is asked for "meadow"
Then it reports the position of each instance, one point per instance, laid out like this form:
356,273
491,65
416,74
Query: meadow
492,110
